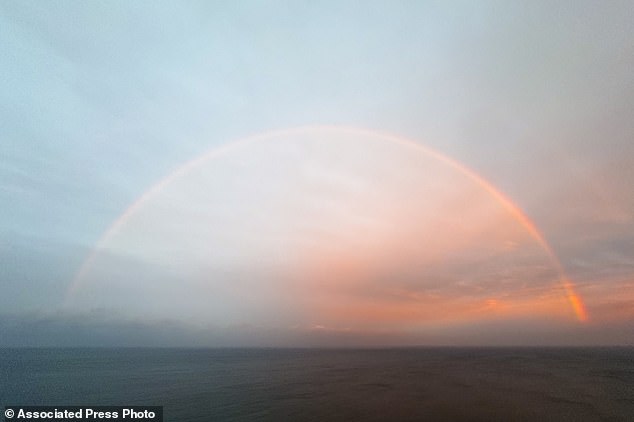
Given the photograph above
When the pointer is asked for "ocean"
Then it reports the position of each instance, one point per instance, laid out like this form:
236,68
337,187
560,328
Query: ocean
409,384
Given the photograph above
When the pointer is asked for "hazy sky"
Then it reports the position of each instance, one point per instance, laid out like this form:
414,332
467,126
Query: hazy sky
319,236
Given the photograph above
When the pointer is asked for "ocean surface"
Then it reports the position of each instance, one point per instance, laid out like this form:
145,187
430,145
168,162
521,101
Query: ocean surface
413,384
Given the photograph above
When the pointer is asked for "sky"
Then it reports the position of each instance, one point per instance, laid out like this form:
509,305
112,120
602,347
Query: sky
316,173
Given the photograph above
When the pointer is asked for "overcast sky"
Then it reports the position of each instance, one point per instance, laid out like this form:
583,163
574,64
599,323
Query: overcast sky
316,236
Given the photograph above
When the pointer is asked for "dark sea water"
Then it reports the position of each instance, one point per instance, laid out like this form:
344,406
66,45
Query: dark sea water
479,384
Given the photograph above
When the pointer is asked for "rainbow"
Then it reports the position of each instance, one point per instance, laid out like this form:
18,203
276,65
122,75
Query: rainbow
568,286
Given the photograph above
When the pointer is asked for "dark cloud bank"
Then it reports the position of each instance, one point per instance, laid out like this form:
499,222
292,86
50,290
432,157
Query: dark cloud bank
99,330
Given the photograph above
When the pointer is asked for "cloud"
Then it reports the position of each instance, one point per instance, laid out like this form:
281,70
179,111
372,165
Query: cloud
103,100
